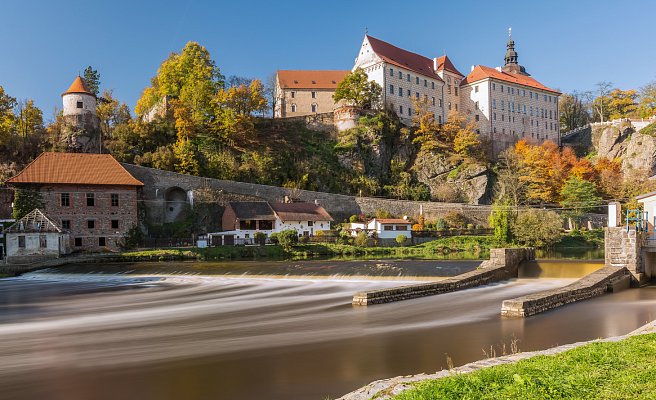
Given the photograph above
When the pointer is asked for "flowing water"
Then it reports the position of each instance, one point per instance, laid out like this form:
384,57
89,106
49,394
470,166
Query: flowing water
138,332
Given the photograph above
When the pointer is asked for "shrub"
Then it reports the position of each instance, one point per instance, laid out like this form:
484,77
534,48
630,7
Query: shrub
539,228
353,218
383,214
304,239
470,226
260,238
273,238
288,238
454,219
400,239
362,240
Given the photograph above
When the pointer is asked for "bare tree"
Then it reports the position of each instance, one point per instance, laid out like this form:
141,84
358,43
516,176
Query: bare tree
271,93
603,89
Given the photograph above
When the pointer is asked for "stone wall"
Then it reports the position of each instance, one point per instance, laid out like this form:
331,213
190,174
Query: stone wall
606,279
502,265
623,249
158,183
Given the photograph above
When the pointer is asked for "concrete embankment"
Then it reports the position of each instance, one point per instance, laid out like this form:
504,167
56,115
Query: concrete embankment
502,265
607,279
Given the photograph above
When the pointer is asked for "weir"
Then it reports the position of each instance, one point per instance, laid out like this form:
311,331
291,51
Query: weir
502,265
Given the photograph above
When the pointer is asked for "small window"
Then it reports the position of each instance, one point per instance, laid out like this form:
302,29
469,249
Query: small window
78,242
476,89
455,88
102,242
91,200
79,104
310,223
409,112
114,224
21,242
425,83
401,228
66,224
400,75
314,95
65,199
293,107
432,85
400,109
114,197
408,77
391,71
388,227
43,241
476,104
391,89
314,108
417,95
409,93
91,224
401,92
293,94
456,106
417,80
433,100
477,117
439,119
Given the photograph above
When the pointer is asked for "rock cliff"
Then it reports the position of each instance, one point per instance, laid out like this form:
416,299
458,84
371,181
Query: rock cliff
635,149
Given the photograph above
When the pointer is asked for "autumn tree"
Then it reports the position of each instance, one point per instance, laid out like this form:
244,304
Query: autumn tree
92,80
235,108
622,103
647,100
357,90
427,128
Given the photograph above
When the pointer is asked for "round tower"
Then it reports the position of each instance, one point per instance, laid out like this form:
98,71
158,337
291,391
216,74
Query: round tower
78,100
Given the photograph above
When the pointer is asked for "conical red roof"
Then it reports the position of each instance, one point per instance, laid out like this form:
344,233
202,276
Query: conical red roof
78,86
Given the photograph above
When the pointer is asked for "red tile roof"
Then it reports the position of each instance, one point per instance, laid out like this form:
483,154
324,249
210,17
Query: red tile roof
444,63
481,72
403,58
75,168
300,212
309,79
78,86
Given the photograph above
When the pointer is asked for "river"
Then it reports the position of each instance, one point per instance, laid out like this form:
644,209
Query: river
238,331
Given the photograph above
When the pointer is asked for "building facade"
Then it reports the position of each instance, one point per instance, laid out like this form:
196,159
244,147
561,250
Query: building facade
506,103
90,196
35,236
300,93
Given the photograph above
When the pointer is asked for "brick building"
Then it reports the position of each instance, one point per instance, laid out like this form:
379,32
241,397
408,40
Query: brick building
305,92
90,196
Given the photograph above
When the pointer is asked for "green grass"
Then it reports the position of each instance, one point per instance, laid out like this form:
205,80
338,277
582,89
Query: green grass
649,129
621,370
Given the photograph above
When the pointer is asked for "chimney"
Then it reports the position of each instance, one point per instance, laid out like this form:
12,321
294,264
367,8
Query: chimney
435,64
472,68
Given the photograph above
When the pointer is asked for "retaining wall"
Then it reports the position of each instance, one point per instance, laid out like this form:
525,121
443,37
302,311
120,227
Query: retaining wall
502,265
595,284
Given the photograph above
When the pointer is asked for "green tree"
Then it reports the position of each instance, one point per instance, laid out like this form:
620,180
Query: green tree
573,113
538,228
578,197
287,239
362,240
26,200
92,80
356,90
501,219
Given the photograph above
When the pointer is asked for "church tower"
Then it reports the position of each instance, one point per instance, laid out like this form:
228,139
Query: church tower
511,61
82,123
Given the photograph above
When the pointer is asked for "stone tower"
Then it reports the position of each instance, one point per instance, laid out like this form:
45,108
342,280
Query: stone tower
82,126
511,61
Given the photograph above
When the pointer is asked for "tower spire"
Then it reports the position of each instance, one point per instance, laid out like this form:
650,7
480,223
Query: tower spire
511,60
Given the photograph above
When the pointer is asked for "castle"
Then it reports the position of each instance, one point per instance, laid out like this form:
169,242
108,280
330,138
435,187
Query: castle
81,129
506,103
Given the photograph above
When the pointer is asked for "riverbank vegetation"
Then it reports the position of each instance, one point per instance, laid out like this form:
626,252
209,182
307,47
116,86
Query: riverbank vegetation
605,370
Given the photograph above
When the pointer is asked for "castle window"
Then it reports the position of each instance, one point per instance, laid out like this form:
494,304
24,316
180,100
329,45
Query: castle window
391,89
408,77
66,224
91,223
400,75
79,104
432,85
409,93
494,87
314,108
476,104
439,101
409,111
293,107
456,106
293,94
449,106
477,117
314,95
65,199
102,242
114,224
494,104
494,116
401,92
417,80
78,242
425,83
400,109
392,72
455,88
448,89
114,199
433,99
417,95
476,89
439,119
91,200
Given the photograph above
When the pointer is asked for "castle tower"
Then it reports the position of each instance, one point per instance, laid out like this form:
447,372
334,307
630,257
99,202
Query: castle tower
511,61
83,125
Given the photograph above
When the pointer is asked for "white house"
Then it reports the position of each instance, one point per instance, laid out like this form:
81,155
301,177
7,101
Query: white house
243,219
649,207
390,228
35,236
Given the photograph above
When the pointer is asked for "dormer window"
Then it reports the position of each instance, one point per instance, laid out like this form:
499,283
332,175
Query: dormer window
79,104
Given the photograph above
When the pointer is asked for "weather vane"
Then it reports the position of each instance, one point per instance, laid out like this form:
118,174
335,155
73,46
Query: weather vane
509,32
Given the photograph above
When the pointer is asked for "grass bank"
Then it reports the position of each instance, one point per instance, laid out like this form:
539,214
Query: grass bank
620,370
459,247
582,239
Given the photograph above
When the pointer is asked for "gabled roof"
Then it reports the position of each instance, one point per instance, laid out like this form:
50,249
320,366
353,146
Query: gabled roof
300,212
78,86
250,210
481,72
444,63
645,195
310,79
75,168
34,221
403,58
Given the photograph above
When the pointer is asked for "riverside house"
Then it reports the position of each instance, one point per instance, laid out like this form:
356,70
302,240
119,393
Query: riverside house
383,228
241,220
90,196
35,237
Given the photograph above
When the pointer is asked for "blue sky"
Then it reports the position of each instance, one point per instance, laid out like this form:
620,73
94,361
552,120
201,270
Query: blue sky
568,45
